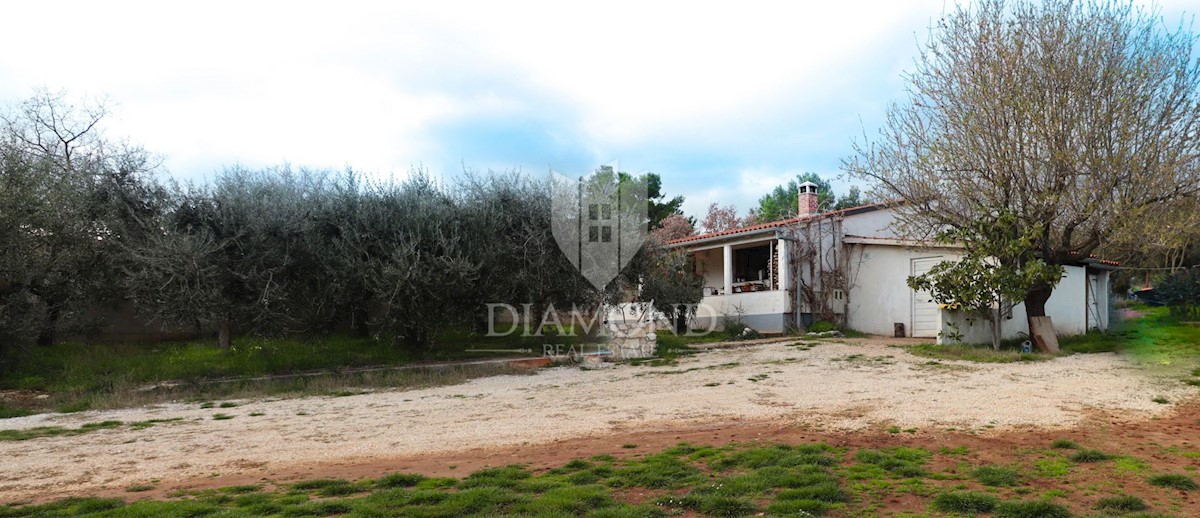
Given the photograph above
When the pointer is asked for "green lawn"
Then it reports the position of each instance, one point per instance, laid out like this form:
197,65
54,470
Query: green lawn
807,479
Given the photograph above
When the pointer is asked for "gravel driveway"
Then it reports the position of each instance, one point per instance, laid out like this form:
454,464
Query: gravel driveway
844,385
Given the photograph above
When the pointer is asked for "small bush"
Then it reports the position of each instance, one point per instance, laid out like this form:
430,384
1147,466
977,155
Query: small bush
1173,481
995,476
965,502
738,330
1089,456
1125,504
1031,509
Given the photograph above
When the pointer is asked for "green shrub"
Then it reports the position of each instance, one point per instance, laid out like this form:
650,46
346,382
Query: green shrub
1173,481
964,502
1124,504
1031,509
995,476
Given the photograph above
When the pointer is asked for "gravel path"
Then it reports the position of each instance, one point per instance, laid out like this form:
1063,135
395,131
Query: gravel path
834,386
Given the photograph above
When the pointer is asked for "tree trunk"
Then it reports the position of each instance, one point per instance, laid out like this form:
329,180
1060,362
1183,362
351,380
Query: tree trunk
361,329
1041,330
48,333
224,334
997,329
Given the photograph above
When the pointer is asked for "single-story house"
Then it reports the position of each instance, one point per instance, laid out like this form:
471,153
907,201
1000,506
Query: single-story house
849,266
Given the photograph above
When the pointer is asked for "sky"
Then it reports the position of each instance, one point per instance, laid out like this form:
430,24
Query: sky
724,102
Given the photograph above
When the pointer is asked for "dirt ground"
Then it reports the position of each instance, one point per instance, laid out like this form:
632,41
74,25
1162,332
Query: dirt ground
844,393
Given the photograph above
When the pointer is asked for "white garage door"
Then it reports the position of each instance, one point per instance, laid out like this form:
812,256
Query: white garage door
926,317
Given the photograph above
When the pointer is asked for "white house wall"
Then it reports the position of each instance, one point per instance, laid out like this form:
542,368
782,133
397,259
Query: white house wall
1067,308
761,310
880,296
871,224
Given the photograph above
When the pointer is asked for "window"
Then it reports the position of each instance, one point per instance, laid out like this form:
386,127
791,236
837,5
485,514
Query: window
752,264
602,215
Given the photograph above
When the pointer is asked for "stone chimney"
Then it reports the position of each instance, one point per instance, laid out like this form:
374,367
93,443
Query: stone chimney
808,199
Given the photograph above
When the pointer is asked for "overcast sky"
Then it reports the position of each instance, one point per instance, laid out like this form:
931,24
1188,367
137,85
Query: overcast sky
724,102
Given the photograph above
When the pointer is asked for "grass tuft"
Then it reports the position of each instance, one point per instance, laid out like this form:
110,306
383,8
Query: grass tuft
400,480
965,502
1030,509
1089,456
1124,504
1174,481
1064,444
996,476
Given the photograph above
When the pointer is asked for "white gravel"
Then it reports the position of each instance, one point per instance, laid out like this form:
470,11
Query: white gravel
839,386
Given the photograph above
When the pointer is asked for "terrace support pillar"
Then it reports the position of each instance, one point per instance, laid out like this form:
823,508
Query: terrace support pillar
784,266
728,264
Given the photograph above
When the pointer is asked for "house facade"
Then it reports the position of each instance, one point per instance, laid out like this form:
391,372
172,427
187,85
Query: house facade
851,268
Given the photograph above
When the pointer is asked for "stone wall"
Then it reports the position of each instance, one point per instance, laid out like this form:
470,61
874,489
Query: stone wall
632,338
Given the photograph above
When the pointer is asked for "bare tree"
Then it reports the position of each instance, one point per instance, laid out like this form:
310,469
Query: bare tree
1072,115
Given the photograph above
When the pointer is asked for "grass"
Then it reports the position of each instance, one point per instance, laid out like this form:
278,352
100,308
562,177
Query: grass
1174,481
1030,509
124,392
752,479
79,376
6,412
1156,339
975,353
55,431
1064,444
996,476
1086,456
1122,504
965,502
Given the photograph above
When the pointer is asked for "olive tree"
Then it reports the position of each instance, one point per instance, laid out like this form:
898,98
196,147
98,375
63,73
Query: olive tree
227,255
1071,115
68,198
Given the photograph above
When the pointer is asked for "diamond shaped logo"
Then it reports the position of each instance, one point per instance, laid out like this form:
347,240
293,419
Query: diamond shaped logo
599,221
